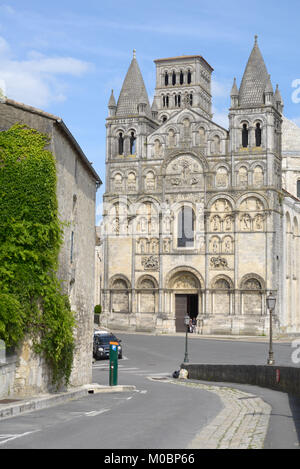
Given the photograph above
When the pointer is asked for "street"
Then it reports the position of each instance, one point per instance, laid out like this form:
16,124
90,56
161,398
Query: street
162,414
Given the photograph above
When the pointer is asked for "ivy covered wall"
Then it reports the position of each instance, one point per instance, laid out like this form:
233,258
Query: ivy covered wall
31,299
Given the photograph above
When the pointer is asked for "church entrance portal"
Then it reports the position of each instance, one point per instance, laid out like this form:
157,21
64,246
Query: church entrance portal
185,304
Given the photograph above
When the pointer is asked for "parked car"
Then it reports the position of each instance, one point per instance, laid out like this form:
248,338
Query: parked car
101,344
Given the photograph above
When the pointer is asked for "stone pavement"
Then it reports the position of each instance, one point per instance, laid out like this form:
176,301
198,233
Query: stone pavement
242,424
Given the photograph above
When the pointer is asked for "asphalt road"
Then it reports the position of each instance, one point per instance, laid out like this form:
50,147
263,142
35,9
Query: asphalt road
158,415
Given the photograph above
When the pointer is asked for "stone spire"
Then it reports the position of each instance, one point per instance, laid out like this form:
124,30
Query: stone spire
269,92
234,95
254,80
278,100
133,92
112,101
112,106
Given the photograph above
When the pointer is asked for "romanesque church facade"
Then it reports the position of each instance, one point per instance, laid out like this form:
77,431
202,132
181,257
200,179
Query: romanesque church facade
195,216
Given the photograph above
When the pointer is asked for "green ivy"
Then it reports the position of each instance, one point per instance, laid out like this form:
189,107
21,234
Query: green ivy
31,298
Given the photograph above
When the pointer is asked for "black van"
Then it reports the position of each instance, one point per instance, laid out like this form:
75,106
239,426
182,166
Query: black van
101,344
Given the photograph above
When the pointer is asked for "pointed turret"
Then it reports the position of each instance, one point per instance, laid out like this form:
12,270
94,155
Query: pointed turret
269,92
133,92
234,94
278,100
112,106
254,80
154,109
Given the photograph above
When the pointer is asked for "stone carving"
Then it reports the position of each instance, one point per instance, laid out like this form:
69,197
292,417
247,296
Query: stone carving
216,223
219,262
185,171
245,222
185,282
228,223
150,181
258,222
167,243
150,263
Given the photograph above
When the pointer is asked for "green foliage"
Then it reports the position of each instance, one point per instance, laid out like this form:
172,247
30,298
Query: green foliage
31,299
98,309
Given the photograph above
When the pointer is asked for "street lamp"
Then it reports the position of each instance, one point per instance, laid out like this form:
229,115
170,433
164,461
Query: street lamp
186,322
271,301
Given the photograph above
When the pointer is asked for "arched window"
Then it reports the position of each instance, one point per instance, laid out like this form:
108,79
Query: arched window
298,188
166,79
167,101
181,77
173,78
164,118
132,143
191,99
185,226
164,101
258,135
189,77
121,143
245,138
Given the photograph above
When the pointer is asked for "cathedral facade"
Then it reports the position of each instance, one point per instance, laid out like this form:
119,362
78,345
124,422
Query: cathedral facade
196,217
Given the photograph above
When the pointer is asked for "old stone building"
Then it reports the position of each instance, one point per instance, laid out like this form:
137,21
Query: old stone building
195,216
77,182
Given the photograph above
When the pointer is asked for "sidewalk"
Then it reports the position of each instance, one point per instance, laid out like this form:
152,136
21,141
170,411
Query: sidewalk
16,406
241,338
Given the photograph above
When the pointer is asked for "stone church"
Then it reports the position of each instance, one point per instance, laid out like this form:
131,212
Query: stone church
199,219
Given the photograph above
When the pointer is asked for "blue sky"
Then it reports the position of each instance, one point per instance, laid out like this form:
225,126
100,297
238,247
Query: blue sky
65,56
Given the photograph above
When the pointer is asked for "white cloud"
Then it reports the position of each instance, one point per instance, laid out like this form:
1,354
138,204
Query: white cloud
37,81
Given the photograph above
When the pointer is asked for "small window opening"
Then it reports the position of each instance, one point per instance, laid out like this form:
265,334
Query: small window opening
181,78
189,77
166,79
245,136
121,144
258,135
173,78
132,143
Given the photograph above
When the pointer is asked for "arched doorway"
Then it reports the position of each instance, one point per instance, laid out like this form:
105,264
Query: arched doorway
186,296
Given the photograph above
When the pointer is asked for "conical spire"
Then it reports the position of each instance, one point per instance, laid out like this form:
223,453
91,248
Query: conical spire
234,90
112,101
254,80
269,86
278,97
133,92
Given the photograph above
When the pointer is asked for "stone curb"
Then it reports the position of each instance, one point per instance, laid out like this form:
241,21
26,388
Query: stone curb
44,401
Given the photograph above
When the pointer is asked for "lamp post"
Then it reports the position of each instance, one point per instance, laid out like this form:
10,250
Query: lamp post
271,301
186,322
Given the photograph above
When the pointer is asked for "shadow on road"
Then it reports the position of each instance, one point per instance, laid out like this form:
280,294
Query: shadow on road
295,409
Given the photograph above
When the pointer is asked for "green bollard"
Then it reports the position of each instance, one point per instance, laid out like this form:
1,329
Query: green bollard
113,363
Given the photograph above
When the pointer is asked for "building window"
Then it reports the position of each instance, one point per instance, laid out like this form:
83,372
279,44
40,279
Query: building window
258,135
173,78
245,137
132,143
121,144
181,77
166,79
186,222
298,188
189,77
191,99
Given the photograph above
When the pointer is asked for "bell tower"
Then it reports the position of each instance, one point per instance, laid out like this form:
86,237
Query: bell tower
183,82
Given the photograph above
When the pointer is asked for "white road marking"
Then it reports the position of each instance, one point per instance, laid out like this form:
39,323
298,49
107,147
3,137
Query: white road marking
93,413
9,437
